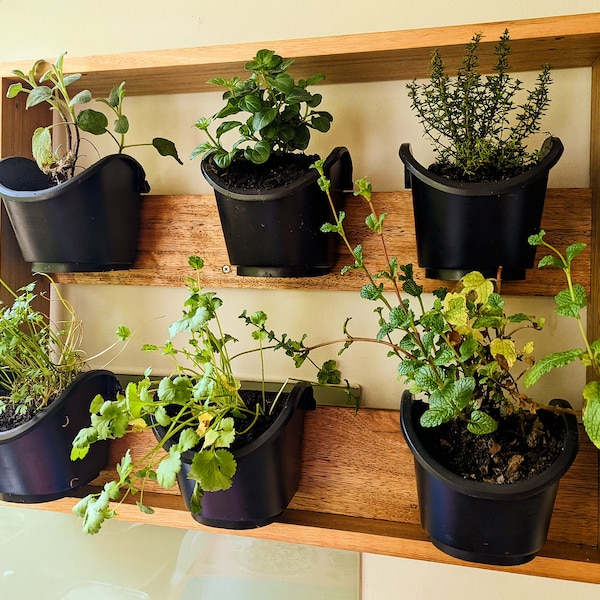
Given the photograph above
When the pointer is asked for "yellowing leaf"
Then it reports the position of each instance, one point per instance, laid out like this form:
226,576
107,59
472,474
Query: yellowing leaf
527,348
505,348
203,423
476,282
138,424
455,310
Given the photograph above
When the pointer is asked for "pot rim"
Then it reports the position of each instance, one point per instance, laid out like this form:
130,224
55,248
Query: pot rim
338,153
56,405
19,162
293,400
552,145
480,489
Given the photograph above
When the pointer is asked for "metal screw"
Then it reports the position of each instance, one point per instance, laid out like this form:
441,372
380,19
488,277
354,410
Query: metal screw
226,269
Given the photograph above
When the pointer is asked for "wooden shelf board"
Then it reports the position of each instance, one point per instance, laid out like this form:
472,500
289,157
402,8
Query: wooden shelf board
563,42
174,227
358,492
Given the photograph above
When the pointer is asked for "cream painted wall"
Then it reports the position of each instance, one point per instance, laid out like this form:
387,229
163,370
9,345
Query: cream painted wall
370,119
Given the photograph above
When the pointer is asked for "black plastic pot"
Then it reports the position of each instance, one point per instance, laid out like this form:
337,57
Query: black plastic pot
277,233
267,474
35,463
88,223
462,226
484,522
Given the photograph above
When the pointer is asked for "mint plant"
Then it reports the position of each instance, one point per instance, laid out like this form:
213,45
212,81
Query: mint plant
279,113
461,352
479,125
52,87
199,404
569,303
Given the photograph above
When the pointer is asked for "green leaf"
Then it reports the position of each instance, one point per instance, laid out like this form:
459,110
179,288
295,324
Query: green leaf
550,261
38,95
263,118
321,123
14,89
591,412
121,125
92,121
41,147
436,416
145,509
213,469
260,153
82,97
221,436
166,148
550,362
569,305
173,390
168,468
187,440
123,332
481,423
227,126
462,392
116,95
124,466
536,239
71,78
574,250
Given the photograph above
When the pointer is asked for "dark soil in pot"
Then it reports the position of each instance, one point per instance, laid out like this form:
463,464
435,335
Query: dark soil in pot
12,415
522,446
252,399
279,170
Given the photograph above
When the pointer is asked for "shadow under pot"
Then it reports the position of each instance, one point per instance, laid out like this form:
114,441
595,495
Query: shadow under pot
277,232
478,226
487,523
35,457
267,474
88,223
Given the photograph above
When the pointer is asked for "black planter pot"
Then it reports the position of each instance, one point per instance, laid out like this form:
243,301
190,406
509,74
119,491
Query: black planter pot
89,223
278,233
462,226
484,522
267,474
35,463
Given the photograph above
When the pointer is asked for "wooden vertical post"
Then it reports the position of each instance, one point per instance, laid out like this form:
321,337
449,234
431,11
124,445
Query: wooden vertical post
16,128
593,315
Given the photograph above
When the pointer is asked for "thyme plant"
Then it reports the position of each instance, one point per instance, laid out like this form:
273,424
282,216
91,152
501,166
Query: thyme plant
52,87
478,124
280,113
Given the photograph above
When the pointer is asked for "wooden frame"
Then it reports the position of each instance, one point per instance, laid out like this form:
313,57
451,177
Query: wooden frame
363,499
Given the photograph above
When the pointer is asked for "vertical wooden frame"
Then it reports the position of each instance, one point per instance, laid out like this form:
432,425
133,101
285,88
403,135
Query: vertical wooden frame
593,315
16,128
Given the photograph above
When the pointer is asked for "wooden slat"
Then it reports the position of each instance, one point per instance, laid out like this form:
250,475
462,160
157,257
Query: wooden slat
358,492
564,42
176,226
